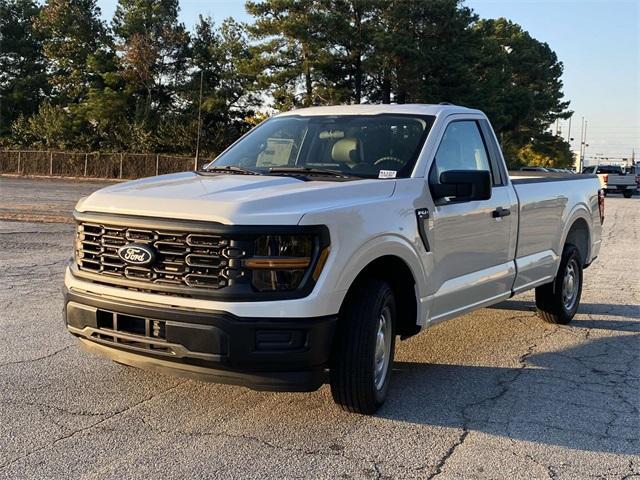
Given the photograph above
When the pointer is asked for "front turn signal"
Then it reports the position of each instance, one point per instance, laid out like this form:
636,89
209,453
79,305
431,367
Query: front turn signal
277,263
322,259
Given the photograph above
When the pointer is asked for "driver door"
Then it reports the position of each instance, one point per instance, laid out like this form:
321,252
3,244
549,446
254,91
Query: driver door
473,240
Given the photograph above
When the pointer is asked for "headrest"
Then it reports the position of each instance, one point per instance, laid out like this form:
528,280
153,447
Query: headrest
346,150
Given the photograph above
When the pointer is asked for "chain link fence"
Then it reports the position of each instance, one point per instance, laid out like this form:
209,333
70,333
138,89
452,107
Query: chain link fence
94,164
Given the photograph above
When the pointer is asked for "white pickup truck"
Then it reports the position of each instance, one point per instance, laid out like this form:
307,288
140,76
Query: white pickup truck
613,179
299,255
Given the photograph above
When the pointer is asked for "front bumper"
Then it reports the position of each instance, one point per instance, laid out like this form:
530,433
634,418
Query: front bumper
284,354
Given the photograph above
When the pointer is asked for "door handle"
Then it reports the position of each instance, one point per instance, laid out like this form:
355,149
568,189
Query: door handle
500,212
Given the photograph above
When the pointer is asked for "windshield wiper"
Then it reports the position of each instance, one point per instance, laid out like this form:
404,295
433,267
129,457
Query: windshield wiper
230,169
310,171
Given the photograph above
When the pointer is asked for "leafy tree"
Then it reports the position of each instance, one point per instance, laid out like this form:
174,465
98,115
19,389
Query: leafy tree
530,96
23,81
136,86
153,46
53,126
422,52
290,48
224,61
81,68
73,33
546,150
345,32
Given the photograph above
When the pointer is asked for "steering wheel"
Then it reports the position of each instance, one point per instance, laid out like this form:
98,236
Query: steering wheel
389,158
389,163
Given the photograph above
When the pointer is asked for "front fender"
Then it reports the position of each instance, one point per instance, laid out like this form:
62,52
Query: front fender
377,247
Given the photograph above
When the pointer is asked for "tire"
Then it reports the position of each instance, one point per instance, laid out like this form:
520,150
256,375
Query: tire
366,329
557,301
627,193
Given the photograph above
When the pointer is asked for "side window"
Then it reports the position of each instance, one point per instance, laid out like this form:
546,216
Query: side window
461,148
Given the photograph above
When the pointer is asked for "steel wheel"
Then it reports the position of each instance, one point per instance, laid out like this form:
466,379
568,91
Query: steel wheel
570,285
557,301
362,359
383,347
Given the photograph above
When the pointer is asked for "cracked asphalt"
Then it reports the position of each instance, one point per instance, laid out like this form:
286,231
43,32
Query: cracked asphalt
494,394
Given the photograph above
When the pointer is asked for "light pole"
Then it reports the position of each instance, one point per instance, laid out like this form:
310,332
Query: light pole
195,163
584,142
583,145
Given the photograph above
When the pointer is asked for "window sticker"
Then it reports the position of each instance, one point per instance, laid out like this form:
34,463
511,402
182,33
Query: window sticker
276,154
387,174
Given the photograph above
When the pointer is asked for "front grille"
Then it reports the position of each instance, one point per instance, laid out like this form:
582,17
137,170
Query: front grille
183,259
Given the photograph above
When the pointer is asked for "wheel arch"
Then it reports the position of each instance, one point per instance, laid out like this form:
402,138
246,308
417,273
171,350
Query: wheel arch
578,233
397,272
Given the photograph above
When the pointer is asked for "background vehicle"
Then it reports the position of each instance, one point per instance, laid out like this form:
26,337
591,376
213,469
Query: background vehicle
303,251
635,171
534,169
613,179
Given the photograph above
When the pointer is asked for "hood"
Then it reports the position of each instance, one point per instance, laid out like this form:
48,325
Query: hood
231,199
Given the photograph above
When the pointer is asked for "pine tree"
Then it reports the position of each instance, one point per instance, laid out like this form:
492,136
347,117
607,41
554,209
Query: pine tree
222,59
153,45
23,83
73,33
290,49
530,95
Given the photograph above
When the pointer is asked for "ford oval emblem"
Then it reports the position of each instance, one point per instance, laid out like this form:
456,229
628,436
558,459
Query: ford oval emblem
136,254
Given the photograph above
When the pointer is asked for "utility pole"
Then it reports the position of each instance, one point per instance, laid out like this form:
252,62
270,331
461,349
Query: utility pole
584,150
195,163
569,131
579,169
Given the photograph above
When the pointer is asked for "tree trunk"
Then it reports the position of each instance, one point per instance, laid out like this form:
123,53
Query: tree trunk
358,80
358,59
386,88
308,101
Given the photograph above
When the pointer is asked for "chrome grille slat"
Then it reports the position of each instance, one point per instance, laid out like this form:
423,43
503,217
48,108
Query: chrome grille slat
190,260
90,242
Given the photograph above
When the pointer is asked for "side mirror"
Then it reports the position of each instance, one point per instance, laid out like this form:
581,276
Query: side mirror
465,185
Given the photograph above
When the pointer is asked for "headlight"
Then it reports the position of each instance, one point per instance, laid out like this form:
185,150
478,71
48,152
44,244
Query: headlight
281,262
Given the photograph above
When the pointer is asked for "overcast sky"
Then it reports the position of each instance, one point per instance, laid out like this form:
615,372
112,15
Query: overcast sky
597,40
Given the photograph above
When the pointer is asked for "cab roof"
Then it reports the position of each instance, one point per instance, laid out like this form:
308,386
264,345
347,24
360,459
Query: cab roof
378,109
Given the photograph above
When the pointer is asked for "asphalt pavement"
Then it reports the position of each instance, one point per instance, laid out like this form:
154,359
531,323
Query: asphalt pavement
494,394
43,199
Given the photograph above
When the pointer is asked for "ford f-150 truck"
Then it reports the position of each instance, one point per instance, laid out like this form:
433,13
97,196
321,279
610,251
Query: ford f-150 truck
299,255
613,179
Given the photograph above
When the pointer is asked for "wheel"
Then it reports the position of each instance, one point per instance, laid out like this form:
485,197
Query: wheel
557,301
627,193
363,350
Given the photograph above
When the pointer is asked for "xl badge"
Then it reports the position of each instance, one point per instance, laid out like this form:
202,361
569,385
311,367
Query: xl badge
136,254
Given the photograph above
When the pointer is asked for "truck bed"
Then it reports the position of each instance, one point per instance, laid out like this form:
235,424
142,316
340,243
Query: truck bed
545,202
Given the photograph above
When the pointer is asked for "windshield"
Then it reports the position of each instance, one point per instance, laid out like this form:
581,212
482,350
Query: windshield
613,169
377,146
